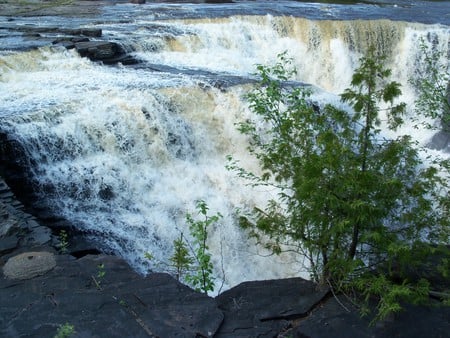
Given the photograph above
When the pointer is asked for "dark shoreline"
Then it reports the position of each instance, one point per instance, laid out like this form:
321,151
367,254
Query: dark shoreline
78,8
43,287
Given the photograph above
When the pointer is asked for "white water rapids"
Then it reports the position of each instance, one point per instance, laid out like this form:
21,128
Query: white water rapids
124,152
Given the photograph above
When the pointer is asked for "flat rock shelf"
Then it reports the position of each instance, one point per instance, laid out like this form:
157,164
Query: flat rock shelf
42,289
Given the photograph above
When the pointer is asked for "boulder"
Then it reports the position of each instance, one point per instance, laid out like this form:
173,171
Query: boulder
98,50
104,51
28,265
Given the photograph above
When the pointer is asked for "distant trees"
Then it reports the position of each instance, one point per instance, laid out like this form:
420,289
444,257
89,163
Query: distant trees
357,205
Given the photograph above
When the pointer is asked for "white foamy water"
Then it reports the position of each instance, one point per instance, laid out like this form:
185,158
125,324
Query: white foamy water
125,152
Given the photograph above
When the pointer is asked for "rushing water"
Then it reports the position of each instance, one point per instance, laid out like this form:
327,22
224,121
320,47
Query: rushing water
124,152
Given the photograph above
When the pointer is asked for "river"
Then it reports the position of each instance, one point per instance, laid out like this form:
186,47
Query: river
123,152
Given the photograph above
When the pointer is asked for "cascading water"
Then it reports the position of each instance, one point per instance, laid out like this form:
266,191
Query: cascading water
124,152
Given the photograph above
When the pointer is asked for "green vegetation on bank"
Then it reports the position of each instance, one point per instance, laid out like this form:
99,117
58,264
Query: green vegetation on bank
201,276
191,260
361,208
65,331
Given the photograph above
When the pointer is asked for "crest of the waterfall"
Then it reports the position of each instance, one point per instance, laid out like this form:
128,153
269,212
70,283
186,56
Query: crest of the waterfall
124,152
325,52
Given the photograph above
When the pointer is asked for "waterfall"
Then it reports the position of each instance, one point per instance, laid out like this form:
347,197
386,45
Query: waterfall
325,52
123,152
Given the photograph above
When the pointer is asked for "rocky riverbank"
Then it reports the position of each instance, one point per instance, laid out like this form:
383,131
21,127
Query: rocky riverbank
50,7
45,285
79,8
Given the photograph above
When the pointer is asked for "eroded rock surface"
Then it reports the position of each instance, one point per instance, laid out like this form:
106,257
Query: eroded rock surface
116,303
264,308
340,319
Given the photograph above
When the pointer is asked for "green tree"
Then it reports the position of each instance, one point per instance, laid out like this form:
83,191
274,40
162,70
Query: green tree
191,260
181,259
433,86
351,201
201,276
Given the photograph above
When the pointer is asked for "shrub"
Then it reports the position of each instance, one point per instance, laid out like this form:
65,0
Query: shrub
351,201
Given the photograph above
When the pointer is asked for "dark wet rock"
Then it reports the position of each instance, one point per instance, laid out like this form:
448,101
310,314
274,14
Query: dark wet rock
75,243
139,2
218,1
8,244
185,313
441,141
91,32
36,234
106,192
264,308
116,303
101,296
123,59
98,50
14,168
18,229
340,319
8,221
75,38
105,51
69,42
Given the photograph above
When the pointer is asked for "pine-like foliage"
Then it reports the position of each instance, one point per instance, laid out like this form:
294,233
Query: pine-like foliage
354,203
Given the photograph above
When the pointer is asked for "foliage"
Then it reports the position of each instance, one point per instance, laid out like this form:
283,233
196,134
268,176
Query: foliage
191,261
63,241
65,331
201,278
101,273
351,201
181,260
433,85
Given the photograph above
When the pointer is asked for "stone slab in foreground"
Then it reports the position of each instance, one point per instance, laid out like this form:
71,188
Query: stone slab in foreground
331,319
120,303
265,308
